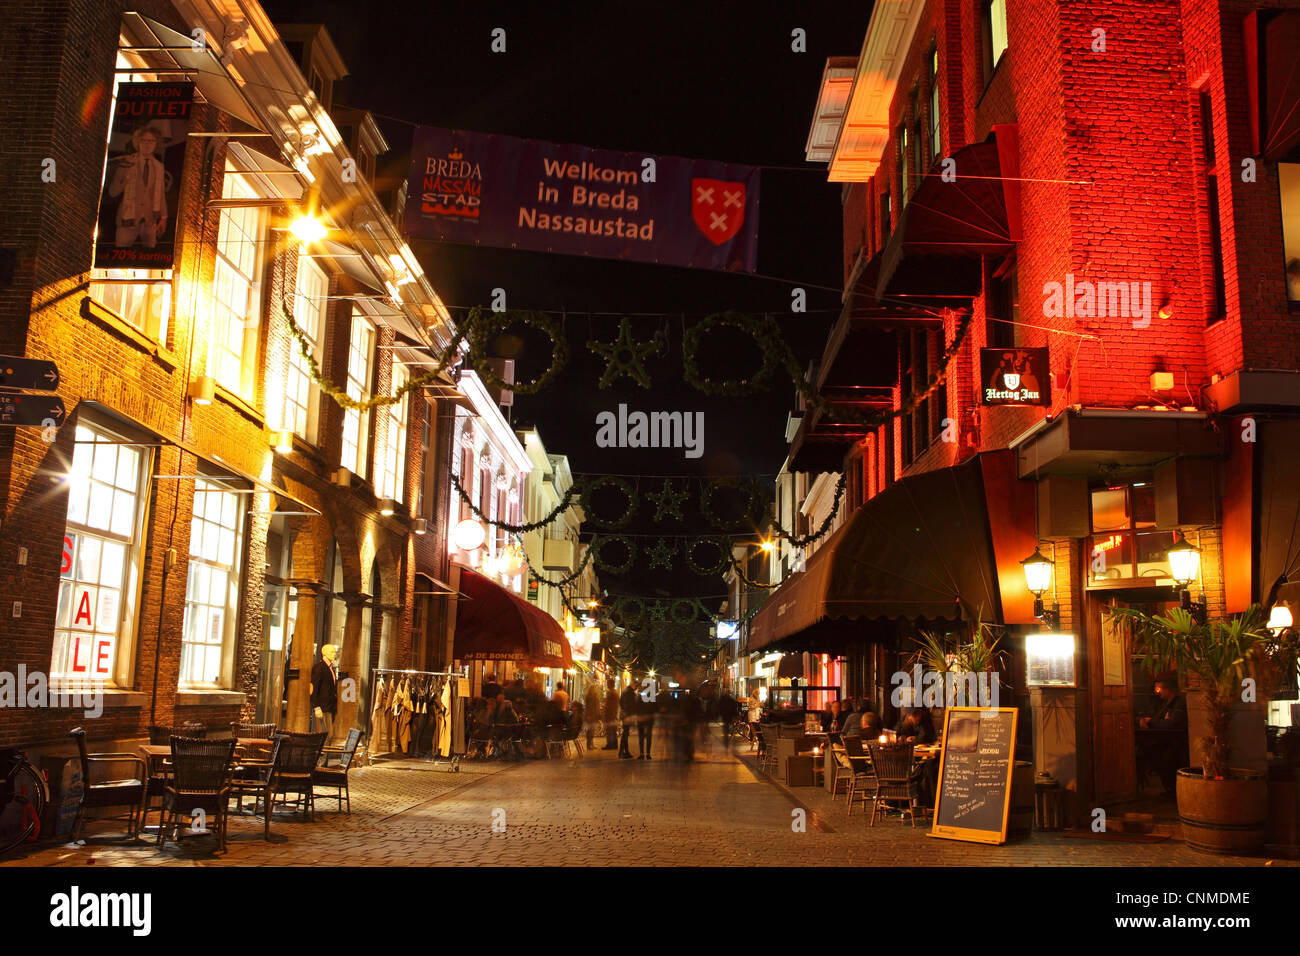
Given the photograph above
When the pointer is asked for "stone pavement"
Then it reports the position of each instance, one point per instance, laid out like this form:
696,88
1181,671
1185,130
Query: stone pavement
604,811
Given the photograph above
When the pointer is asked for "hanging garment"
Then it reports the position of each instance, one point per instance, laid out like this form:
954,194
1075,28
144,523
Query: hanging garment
457,722
403,710
444,718
377,721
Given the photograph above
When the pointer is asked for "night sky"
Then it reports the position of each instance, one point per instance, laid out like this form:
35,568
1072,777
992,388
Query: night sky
716,81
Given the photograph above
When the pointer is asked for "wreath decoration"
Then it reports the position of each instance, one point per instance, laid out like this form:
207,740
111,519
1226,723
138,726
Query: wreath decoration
628,619
762,329
623,485
484,325
724,555
597,548
754,508
689,604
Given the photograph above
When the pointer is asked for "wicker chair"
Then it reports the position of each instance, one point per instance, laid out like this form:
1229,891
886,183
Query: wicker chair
894,783
253,779
857,766
116,792
299,754
200,781
336,777
161,736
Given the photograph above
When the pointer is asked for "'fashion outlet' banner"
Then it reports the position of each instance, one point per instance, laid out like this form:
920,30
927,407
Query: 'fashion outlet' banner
528,194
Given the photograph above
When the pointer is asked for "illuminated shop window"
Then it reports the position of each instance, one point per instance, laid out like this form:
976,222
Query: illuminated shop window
99,570
1124,542
1288,177
212,585
994,35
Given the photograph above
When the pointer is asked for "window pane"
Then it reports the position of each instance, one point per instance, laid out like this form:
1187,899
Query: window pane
1111,556
1144,505
1151,548
1109,509
1288,176
111,564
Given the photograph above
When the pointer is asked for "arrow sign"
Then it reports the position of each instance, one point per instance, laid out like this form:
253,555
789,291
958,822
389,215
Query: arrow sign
36,410
19,372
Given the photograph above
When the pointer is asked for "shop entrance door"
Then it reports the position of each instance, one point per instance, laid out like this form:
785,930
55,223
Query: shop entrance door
1114,762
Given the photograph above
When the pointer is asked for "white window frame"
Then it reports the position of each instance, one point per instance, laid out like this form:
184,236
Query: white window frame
215,561
360,373
300,413
93,491
236,286
144,305
392,461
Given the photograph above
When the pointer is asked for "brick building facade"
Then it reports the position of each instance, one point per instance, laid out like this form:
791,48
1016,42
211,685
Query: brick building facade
207,516
1093,142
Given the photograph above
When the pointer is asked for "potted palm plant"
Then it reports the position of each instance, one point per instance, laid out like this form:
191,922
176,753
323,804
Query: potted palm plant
1223,808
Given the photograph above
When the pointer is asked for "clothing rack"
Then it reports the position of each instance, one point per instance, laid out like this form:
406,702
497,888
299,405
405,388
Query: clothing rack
453,758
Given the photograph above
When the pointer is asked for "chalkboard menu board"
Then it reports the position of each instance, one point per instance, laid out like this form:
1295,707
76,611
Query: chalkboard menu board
975,774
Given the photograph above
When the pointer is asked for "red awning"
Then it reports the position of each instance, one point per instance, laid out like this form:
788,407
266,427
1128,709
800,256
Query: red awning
494,625
920,550
947,226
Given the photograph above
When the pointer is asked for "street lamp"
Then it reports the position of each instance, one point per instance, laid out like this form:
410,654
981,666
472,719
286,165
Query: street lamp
1184,567
469,535
1279,619
1038,578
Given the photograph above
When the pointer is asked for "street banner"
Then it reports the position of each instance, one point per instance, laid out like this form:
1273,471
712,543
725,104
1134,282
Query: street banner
1015,377
528,194
142,180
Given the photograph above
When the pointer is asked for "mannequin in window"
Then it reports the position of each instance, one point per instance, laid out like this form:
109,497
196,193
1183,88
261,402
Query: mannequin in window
140,179
324,691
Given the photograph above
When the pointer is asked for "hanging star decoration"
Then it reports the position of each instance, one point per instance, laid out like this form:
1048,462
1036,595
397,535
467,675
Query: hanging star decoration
624,355
668,503
661,555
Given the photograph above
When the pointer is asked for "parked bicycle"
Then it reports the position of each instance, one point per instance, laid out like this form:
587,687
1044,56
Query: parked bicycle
23,798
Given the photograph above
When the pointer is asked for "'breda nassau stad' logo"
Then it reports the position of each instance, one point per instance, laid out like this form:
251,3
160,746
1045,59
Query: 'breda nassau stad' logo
453,187
718,208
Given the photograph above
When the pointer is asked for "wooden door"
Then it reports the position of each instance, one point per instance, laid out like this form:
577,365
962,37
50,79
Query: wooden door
1114,763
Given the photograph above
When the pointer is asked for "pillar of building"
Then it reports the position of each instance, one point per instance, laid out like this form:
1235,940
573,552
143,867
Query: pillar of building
298,717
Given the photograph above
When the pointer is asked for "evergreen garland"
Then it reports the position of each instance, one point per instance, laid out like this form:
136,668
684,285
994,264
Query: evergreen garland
565,503
484,325
622,485
598,545
764,331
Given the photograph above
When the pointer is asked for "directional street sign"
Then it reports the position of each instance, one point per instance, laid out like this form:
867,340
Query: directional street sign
19,372
39,410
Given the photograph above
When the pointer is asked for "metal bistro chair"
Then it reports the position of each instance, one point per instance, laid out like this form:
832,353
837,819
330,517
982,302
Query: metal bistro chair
336,777
116,792
861,771
299,754
767,758
200,782
894,783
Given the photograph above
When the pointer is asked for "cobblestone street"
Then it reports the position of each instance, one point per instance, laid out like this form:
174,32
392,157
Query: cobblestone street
600,811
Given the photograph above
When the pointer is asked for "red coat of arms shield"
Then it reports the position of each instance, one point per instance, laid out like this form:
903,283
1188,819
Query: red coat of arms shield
718,208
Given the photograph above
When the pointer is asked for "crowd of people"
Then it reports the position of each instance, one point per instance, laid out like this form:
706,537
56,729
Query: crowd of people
520,712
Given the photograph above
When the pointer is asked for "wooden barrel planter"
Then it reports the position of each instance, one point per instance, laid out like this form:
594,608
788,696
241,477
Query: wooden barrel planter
1223,816
1020,817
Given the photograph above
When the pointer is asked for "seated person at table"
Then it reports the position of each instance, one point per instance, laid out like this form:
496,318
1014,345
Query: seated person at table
870,725
1164,752
853,722
506,713
833,718
915,727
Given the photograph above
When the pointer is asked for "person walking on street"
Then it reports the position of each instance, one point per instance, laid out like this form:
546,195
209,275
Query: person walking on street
647,707
627,705
727,710
591,713
611,715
